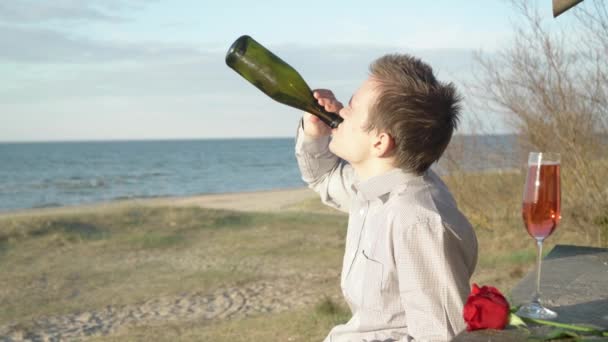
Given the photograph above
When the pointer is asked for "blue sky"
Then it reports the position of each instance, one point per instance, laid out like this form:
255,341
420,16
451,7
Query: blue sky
127,69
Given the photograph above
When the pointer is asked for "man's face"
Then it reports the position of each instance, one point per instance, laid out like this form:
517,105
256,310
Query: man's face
350,141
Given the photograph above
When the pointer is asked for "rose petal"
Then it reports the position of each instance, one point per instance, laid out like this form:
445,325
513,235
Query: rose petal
475,289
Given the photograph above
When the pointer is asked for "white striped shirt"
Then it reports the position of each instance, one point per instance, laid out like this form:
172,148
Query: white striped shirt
409,251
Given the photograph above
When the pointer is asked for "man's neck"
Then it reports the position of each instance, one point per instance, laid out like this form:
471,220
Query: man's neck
371,169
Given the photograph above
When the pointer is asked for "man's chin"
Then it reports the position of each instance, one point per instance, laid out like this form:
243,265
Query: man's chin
333,149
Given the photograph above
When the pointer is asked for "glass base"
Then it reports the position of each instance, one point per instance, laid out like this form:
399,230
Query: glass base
537,311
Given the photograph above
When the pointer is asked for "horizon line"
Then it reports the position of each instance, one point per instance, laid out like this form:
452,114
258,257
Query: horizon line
191,139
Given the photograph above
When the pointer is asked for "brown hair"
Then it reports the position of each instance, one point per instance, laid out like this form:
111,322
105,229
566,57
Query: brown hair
417,111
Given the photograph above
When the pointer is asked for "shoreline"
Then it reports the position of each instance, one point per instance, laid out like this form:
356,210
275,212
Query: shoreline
254,200
258,200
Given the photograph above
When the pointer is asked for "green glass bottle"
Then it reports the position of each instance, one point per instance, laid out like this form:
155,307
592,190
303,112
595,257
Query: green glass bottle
275,78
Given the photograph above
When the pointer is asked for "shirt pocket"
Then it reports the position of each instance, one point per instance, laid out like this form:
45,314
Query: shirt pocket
371,289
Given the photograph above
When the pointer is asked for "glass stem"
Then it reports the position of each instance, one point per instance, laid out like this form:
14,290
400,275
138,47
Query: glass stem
539,245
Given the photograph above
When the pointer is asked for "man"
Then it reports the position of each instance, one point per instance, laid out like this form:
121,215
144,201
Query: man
409,251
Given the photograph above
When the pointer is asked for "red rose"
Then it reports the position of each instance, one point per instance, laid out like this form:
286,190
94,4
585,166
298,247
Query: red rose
486,308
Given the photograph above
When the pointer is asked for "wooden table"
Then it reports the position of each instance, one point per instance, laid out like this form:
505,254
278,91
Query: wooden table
574,283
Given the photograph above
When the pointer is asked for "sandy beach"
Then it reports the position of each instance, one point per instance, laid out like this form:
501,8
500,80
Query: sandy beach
257,201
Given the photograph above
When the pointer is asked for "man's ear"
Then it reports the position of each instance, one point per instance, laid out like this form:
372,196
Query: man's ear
383,145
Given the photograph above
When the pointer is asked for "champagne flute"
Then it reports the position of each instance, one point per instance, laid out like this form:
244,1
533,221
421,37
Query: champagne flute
541,214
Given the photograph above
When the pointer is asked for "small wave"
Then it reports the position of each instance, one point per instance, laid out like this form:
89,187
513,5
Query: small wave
124,197
8,189
137,196
47,205
74,183
135,178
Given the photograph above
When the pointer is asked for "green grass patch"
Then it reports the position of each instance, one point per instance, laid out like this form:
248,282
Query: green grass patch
329,309
520,257
4,245
74,230
235,220
158,240
602,223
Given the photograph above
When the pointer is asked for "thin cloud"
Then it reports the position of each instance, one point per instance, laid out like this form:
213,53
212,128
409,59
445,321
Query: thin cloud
38,45
157,71
65,10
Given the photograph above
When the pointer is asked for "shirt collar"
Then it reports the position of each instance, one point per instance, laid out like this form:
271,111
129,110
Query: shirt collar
381,185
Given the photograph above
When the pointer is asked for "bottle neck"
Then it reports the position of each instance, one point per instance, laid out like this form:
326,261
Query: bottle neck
330,119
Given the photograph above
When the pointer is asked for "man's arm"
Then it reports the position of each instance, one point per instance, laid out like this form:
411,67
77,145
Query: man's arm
322,170
433,278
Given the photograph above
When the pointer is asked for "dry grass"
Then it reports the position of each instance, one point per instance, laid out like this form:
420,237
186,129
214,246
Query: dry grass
55,265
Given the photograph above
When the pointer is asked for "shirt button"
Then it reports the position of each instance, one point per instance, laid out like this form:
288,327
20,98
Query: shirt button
362,212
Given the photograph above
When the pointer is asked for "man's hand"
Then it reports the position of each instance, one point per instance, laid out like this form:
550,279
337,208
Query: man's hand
313,126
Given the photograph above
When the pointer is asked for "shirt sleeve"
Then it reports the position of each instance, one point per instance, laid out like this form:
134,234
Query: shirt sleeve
325,173
433,278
